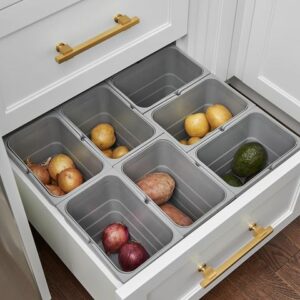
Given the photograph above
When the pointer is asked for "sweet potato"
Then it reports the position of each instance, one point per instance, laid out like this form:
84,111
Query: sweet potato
176,215
158,186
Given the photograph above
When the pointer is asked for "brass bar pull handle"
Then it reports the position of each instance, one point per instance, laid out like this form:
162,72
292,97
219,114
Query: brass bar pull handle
210,274
66,52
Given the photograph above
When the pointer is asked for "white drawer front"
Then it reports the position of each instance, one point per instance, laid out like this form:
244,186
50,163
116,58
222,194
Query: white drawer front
274,201
33,82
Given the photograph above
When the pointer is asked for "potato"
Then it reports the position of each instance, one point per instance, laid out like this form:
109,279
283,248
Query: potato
158,186
119,152
183,142
193,140
217,115
196,125
103,136
176,215
108,152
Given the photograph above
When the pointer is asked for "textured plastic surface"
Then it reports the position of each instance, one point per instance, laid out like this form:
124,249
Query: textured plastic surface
171,115
102,104
45,137
256,126
198,194
109,200
155,78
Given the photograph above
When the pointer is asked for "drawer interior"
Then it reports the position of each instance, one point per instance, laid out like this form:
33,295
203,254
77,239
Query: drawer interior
118,204
147,115
210,91
218,154
47,137
196,194
156,77
103,105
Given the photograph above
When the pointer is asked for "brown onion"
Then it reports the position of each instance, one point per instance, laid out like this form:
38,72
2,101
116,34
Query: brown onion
114,236
132,255
58,163
69,179
40,172
55,190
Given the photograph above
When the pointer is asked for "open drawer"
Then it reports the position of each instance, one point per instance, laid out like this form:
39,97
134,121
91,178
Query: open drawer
218,235
29,48
274,201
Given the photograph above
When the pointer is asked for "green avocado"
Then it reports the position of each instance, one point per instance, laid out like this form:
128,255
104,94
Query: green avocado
250,159
232,180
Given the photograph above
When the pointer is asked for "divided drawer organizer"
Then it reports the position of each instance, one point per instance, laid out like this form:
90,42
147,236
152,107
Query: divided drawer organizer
147,104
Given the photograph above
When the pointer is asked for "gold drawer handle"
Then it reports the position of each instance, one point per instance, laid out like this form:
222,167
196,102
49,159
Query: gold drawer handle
67,52
210,274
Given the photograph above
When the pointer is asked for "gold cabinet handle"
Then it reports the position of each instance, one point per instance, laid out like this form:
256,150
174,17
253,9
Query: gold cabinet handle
210,274
66,52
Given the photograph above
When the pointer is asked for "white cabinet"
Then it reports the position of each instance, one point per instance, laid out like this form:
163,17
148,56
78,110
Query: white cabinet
266,51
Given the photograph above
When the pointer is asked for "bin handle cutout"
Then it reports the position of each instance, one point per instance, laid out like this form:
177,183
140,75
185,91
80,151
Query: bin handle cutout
66,52
210,274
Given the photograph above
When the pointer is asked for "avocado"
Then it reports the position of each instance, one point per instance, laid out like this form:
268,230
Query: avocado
232,180
249,159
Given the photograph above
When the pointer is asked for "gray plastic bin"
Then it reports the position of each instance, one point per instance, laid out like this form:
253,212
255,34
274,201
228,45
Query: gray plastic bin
101,104
45,137
155,78
218,153
109,200
198,194
171,115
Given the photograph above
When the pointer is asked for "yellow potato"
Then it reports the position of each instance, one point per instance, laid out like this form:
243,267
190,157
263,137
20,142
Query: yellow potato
196,125
108,152
193,140
119,152
103,136
217,115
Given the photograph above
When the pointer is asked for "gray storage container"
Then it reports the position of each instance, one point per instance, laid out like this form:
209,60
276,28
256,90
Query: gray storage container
101,104
197,193
157,77
217,154
171,115
109,200
45,137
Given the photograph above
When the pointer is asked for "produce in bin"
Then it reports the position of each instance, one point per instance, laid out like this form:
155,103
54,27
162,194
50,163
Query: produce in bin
193,140
120,151
232,180
248,160
176,215
217,115
197,125
58,174
159,186
131,254
114,236
104,137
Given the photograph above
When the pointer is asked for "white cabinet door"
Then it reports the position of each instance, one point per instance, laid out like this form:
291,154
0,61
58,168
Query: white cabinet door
266,51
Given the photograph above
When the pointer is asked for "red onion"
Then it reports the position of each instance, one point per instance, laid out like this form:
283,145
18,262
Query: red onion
114,236
132,255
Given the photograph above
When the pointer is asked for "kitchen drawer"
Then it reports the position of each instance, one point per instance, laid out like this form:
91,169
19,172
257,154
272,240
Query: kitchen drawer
33,82
273,201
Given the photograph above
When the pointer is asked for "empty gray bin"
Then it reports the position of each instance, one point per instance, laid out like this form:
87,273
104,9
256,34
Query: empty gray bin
256,126
101,104
109,200
171,115
198,194
146,83
46,137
